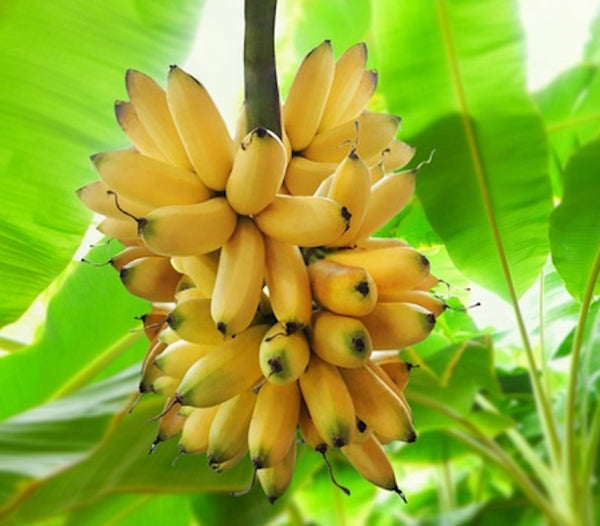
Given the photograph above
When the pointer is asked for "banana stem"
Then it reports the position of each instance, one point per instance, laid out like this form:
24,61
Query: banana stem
260,75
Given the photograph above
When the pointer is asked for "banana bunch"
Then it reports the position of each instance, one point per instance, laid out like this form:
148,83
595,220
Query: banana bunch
276,314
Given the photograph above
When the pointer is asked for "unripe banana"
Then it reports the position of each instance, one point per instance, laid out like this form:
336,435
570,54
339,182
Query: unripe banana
257,173
304,176
150,103
186,230
148,181
151,278
328,401
369,134
97,196
273,425
378,405
195,431
364,92
398,325
341,340
239,279
341,288
124,230
423,298
307,95
201,268
276,479
225,372
179,356
283,356
287,279
201,128
170,423
228,436
134,129
191,320
306,221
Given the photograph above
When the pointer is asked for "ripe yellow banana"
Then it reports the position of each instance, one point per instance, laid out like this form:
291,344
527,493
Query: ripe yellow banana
397,371
124,230
306,221
287,279
194,434
180,355
273,425
307,95
283,356
276,479
228,436
135,131
151,278
304,176
96,197
428,282
239,279
363,94
225,372
191,320
347,76
423,298
164,386
170,424
371,243
201,128
369,134
341,288
341,340
201,268
257,173
397,325
148,181
127,255
328,401
378,405
395,156
150,103
186,230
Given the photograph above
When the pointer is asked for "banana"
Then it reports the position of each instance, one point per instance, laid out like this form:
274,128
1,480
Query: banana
179,356
135,131
150,374
276,479
341,288
98,198
369,134
273,425
378,405
186,230
150,103
168,335
395,156
372,243
257,173
189,293
201,128
287,279
306,221
164,386
307,96
328,401
147,181
151,278
372,463
170,424
423,298
196,428
392,268
154,323
303,176
184,283
283,356
124,230
225,372
397,371
239,279
388,197
149,370
228,435
428,282
191,320
377,172
346,79
341,340
364,92
397,325
201,268
323,189
127,255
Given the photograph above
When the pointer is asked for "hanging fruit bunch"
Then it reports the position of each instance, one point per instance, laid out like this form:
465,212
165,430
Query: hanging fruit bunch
276,314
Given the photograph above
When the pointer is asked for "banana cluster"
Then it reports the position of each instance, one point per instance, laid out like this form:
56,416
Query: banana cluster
275,312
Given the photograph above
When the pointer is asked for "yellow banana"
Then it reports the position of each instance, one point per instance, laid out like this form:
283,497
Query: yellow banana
124,230
428,282
195,431
164,386
151,278
150,374
423,298
397,325
186,230
283,356
150,103
378,405
395,369
372,463
341,288
201,268
341,340
127,255
306,221
170,424
276,479
257,173
323,189
307,95
179,356
371,243
135,131
369,134
395,156
347,76
273,425
154,323
364,92
97,197
192,292
149,370
148,181
287,279
228,436
191,320
239,279
304,176
328,401
201,128
225,372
